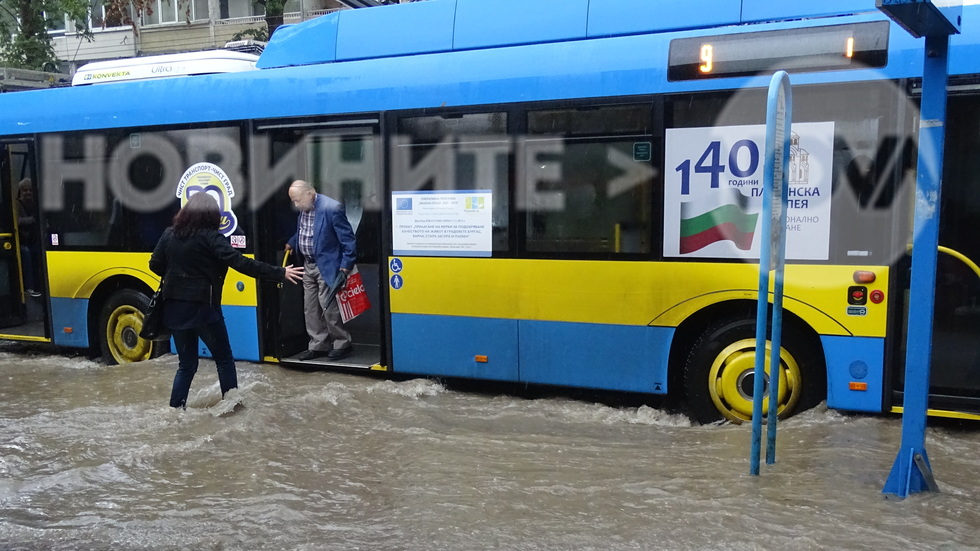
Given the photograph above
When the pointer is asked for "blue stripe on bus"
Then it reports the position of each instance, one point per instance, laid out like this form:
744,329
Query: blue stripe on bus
448,346
73,313
612,357
858,360
69,313
242,332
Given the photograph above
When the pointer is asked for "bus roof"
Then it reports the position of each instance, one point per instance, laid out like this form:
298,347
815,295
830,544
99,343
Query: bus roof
159,66
449,25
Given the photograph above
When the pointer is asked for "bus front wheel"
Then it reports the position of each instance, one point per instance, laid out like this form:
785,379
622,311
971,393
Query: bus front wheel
120,321
719,375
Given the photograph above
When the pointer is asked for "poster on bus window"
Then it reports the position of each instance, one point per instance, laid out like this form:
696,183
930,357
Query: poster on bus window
442,223
713,187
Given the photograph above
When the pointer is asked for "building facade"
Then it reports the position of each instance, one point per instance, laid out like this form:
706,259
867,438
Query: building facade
173,26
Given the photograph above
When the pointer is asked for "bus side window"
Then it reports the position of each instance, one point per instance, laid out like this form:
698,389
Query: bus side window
455,153
589,177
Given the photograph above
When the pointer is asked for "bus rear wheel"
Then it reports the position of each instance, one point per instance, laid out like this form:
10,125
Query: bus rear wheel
719,375
121,320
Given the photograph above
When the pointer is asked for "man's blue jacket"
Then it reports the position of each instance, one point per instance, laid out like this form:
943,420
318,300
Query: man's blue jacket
334,246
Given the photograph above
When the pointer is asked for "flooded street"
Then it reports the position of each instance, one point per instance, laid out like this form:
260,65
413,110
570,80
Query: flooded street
92,458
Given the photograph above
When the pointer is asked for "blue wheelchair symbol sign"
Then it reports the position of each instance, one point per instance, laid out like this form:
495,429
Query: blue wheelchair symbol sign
395,265
397,281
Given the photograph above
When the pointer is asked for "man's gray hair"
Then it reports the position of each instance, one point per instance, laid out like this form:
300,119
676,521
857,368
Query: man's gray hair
303,185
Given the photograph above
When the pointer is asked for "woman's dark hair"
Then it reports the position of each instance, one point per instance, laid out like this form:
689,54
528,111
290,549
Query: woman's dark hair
200,213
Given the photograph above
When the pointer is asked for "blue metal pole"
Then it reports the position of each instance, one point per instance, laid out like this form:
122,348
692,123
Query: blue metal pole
778,116
761,315
911,471
780,176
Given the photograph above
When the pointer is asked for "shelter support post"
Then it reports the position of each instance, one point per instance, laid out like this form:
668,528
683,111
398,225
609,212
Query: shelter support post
911,472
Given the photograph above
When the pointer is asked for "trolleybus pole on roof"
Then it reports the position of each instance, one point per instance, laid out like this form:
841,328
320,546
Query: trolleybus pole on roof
911,471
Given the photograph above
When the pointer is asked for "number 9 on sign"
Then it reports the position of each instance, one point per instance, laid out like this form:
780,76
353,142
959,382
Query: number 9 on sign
707,58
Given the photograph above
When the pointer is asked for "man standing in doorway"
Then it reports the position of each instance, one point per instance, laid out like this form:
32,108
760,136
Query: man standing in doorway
325,239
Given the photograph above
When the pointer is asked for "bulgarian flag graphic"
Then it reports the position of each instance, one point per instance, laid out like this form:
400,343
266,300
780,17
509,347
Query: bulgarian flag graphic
719,216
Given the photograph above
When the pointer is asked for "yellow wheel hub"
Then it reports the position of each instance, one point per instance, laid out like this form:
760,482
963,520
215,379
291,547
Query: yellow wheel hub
122,335
732,376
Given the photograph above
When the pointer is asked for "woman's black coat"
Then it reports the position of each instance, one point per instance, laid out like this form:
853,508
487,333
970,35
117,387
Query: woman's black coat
194,268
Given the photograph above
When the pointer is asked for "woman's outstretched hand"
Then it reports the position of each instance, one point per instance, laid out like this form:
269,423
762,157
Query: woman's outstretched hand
294,274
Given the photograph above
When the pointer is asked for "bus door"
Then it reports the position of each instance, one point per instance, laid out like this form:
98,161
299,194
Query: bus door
955,366
22,289
340,159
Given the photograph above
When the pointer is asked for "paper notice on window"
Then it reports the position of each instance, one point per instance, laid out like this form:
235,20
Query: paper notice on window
442,223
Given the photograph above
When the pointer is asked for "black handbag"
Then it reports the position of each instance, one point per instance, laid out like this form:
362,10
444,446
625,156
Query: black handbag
153,326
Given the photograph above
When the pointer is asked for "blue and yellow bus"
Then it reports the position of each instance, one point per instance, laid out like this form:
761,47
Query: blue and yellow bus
547,193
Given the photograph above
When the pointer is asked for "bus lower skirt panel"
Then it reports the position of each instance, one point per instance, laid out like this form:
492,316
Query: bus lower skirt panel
600,356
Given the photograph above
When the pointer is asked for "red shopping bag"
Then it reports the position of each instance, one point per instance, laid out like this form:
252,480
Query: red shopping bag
353,299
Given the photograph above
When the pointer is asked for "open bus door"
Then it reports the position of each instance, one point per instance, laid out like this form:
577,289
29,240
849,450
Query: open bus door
341,161
955,369
12,297
954,386
22,308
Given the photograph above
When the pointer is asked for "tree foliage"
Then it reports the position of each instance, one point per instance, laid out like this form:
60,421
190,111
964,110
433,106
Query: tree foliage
274,10
253,33
129,12
24,25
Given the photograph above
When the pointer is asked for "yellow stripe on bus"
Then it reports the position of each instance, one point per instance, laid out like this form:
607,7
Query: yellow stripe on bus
943,413
75,274
23,338
626,293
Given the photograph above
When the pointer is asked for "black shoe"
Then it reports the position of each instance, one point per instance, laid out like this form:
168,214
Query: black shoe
339,353
312,354
32,293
